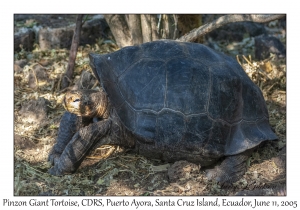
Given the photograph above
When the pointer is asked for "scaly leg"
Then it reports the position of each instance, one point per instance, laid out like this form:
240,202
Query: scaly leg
67,129
78,147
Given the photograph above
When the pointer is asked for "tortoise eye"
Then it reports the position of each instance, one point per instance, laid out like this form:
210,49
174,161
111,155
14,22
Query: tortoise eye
76,100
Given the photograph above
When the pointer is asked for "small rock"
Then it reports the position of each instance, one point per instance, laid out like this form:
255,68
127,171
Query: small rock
35,112
17,68
93,30
52,38
26,38
237,31
23,143
38,75
45,62
21,63
264,45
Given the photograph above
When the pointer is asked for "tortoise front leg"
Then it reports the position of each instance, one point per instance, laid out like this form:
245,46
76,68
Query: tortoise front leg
67,128
78,147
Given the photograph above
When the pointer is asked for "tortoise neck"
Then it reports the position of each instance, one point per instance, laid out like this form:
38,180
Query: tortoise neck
103,107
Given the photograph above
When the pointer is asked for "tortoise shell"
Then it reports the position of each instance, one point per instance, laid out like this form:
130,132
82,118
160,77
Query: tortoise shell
184,97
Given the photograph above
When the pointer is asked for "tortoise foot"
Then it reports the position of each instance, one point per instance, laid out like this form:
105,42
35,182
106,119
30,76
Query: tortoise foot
230,170
53,158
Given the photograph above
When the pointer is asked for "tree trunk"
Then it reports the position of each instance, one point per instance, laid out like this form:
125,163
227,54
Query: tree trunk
134,26
132,29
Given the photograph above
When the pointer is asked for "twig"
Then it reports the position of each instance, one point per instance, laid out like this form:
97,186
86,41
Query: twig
36,80
58,84
275,181
95,84
64,90
120,164
238,60
108,153
248,61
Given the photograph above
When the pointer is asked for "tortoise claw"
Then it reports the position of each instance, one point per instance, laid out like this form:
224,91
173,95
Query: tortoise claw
223,177
53,157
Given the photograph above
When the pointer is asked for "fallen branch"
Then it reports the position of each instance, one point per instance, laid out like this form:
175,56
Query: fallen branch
202,30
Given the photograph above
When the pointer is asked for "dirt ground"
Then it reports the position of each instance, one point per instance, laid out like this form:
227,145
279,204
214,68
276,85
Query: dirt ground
112,170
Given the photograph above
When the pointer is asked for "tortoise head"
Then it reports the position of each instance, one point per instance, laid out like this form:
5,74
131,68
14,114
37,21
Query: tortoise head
86,103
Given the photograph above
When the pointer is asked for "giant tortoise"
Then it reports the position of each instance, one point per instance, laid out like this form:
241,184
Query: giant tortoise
169,100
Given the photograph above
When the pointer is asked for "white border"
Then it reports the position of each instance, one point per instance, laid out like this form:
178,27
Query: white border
152,6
